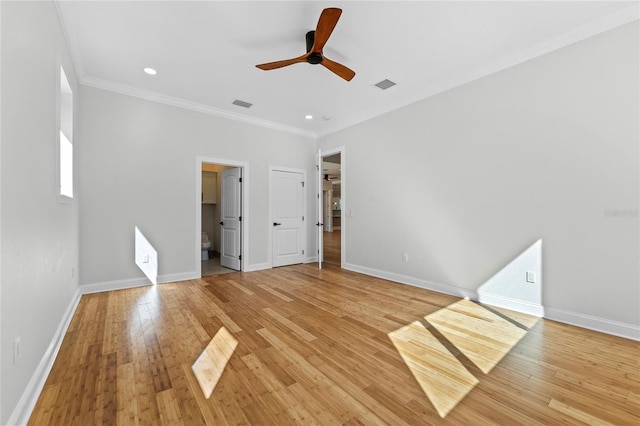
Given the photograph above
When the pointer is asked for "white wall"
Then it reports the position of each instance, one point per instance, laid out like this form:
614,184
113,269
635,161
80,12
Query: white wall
138,168
478,174
39,234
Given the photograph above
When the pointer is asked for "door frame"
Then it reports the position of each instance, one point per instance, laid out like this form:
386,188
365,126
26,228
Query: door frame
343,196
244,209
304,211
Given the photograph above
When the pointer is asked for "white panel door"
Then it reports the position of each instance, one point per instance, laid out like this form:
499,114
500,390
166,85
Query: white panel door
287,203
231,210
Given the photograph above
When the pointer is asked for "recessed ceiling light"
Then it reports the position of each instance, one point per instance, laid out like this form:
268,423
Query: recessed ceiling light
150,71
308,117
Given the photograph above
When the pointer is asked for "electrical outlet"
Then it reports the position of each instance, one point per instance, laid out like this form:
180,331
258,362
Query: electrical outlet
531,277
405,257
16,350
145,258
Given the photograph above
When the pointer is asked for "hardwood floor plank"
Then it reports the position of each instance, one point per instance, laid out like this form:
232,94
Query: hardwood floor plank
275,293
127,406
168,408
577,414
295,328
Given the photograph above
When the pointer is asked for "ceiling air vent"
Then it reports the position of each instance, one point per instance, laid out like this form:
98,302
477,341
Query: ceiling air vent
242,104
385,84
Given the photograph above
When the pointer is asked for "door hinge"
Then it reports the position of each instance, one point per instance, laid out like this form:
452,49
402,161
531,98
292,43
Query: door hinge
303,218
239,218
240,180
240,257
317,167
302,184
302,251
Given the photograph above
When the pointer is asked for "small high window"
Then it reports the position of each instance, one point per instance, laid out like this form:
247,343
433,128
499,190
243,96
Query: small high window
66,136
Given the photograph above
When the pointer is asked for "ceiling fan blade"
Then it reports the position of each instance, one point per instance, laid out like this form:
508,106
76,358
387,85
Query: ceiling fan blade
327,22
280,64
339,69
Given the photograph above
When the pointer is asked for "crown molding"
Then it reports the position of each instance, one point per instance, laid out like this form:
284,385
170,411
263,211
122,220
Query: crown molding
604,24
189,105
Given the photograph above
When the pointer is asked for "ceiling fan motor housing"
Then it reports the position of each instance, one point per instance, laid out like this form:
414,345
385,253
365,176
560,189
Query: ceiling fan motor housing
314,58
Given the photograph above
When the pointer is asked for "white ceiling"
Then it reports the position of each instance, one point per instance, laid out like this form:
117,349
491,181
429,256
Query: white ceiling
205,52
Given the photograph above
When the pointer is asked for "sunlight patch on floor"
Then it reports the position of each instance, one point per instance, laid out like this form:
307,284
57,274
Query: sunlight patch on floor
211,363
481,335
441,376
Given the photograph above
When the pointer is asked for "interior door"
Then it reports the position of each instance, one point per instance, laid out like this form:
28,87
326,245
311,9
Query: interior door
287,201
231,211
319,224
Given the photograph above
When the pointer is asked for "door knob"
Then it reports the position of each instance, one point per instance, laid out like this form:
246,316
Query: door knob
221,223
276,224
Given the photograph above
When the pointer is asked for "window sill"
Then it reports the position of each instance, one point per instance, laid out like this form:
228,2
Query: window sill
64,199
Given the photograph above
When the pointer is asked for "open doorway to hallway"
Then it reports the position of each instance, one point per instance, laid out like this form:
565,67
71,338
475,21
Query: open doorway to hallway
332,203
219,228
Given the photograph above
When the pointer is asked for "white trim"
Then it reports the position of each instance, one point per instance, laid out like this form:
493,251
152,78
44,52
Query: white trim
135,282
416,282
189,105
602,325
513,304
258,267
244,211
71,43
615,328
591,29
601,25
114,285
28,399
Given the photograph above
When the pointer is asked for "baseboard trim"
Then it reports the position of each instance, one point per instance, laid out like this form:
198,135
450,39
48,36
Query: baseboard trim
258,267
512,304
114,285
416,282
602,325
27,401
134,282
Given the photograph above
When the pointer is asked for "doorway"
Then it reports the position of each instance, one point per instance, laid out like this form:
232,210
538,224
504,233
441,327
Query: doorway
333,206
221,202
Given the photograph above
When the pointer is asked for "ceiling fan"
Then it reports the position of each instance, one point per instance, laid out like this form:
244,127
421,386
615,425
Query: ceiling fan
315,42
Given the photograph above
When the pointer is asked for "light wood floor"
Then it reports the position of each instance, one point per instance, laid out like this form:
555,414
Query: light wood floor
330,347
